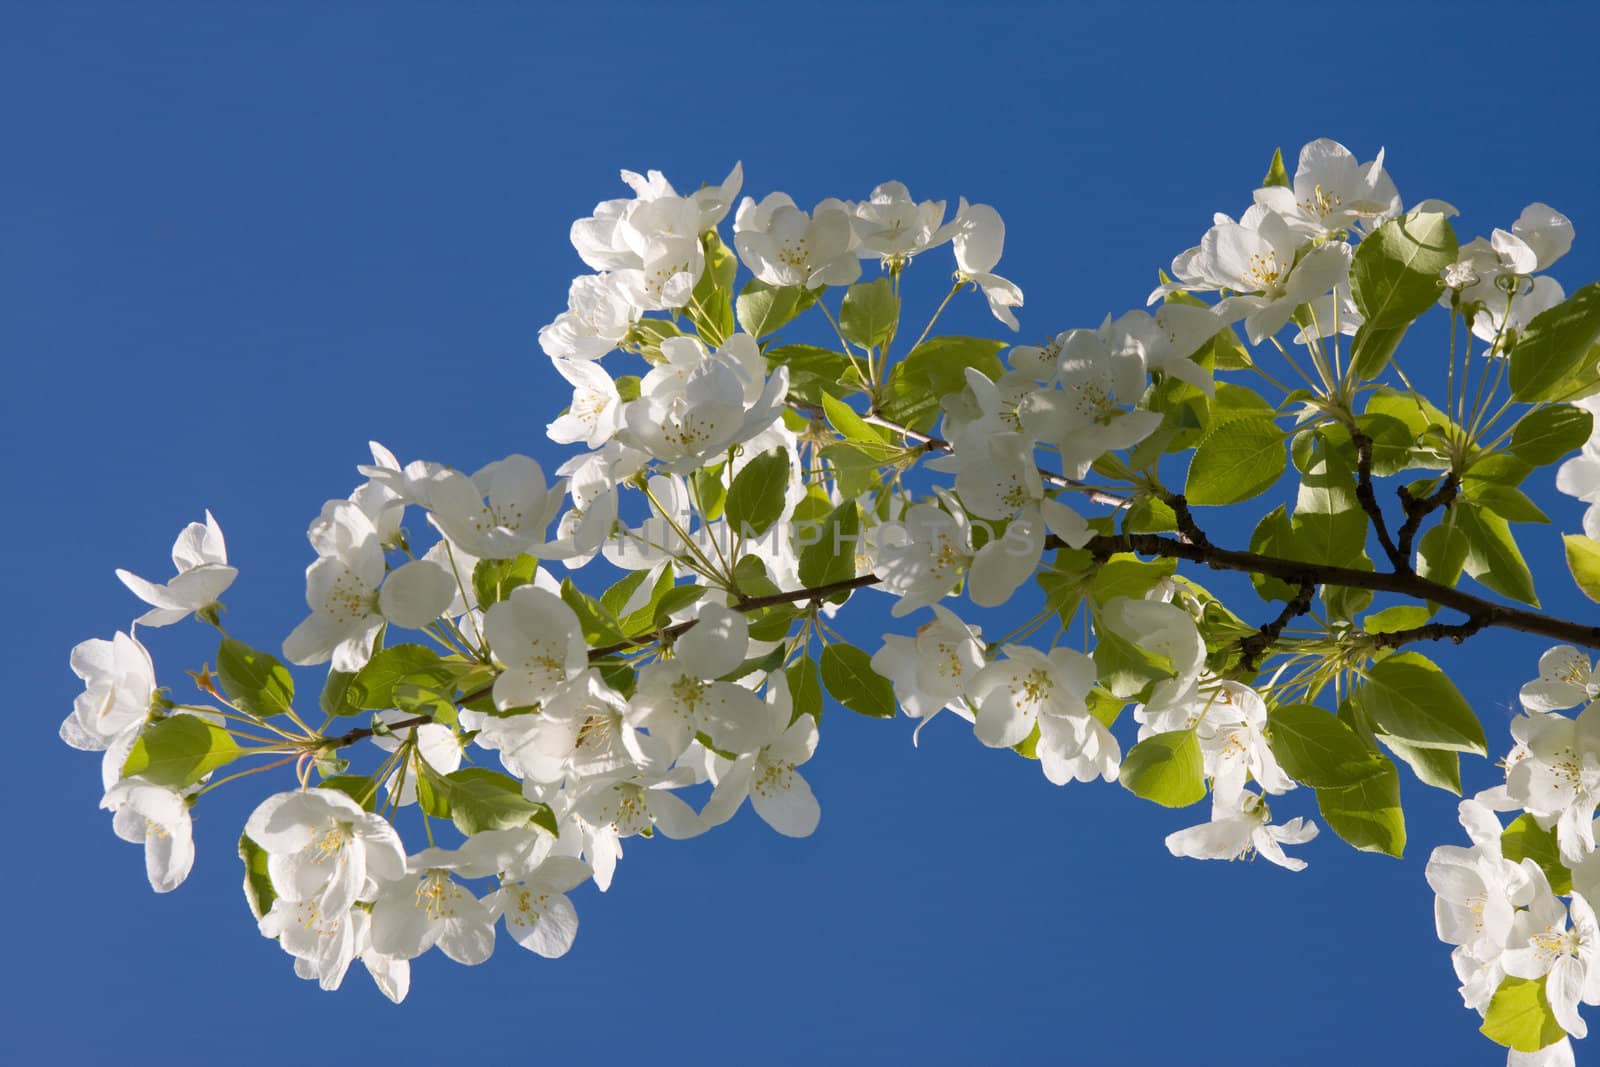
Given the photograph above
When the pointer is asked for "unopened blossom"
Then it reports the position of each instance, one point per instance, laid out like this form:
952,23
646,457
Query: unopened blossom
426,906
539,640
201,558
784,246
321,846
930,672
1567,678
598,319
500,512
1331,191
1241,829
158,819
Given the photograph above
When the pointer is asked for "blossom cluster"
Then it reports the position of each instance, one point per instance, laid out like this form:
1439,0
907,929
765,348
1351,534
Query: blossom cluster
738,489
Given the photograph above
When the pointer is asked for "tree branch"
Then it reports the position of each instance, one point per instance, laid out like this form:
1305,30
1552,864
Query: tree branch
1417,510
1256,644
1433,631
1369,501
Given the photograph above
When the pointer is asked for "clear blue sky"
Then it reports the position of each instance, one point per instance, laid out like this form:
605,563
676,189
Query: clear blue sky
237,242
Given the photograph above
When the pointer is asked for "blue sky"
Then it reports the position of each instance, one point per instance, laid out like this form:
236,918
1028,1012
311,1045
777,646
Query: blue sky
238,242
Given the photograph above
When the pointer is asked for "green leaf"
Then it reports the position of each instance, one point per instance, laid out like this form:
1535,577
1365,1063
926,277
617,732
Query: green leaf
1272,537
815,372
1328,525
832,556
855,472
1523,839
1548,433
1583,560
1394,619
493,579
648,334
1394,275
480,799
1432,766
848,675
1506,501
372,689
1410,698
1493,558
1442,552
1238,460
805,689
762,308
1316,748
756,498
335,699
1372,348
179,751
711,304
870,313
615,599
258,890
1367,813
1125,574
933,370
254,680
1065,581
852,427
599,626
1166,768
1554,345
1126,669
1519,1016
1276,174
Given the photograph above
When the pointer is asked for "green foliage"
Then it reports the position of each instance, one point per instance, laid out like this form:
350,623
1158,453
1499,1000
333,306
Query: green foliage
1493,558
373,687
805,689
831,557
1555,346
1236,461
258,890
179,751
476,799
1519,1016
933,370
756,498
1583,560
1276,174
1166,768
255,681
493,579
816,372
1408,697
1523,839
1126,669
763,309
711,303
1546,434
848,675
870,313
1317,749
1394,276
1367,813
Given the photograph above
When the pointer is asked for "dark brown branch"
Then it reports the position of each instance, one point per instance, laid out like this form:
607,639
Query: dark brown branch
1369,501
1417,510
1253,647
1405,584
1433,631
